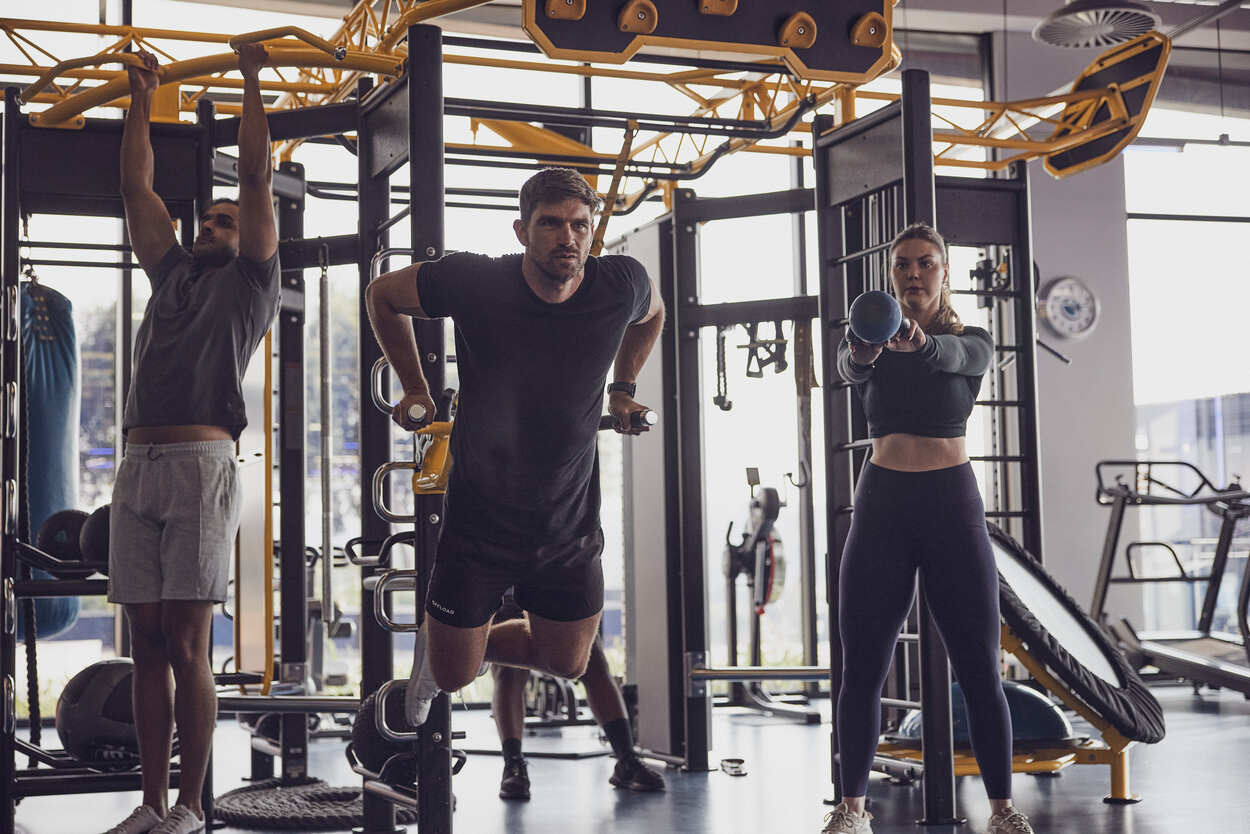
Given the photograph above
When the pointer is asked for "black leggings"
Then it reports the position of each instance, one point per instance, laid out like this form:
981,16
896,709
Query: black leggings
934,521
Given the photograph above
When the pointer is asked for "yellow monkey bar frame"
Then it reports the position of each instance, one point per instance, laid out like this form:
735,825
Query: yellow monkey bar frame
310,70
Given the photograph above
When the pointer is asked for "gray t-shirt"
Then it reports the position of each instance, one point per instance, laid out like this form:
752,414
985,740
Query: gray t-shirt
199,331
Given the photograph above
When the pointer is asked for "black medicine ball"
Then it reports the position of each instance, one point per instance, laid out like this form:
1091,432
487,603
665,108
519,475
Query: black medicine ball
372,749
95,716
58,536
93,538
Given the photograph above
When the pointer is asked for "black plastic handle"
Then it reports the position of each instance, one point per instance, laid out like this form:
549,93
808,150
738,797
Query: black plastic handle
637,420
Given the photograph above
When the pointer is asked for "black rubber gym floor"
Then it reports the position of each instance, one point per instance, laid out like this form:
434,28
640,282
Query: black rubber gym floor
1193,782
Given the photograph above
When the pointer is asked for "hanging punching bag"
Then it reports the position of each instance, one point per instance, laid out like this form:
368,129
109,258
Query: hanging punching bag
49,443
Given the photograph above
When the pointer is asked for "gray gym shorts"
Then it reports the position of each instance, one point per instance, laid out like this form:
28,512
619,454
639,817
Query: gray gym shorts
172,522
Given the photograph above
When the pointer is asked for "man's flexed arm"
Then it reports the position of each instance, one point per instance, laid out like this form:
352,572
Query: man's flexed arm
392,301
147,220
258,239
635,347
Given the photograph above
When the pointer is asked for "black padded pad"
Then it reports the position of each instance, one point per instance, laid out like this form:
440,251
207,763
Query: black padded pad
1124,701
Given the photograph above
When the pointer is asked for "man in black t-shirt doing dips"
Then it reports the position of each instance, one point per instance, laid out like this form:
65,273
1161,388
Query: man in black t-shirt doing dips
176,500
535,336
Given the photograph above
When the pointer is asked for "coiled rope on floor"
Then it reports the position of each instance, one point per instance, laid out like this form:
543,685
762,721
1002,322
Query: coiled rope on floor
304,805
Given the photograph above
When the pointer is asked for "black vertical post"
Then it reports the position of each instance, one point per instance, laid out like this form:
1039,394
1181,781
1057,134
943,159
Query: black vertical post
920,206
10,396
919,198
670,349
375,440
293,597
425,174
807,510
839,468
689,421
204,113
123,360
1026,369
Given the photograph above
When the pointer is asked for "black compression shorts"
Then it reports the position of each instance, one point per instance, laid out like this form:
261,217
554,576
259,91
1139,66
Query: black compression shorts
562,582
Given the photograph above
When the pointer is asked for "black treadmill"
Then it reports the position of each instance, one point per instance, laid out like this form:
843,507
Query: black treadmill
1201,656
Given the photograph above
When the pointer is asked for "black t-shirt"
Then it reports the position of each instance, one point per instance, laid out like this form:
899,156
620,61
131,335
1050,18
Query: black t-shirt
532,374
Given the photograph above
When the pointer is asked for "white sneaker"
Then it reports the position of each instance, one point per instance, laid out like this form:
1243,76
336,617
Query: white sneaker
141,820
180,821
842,820
1010,821
422,688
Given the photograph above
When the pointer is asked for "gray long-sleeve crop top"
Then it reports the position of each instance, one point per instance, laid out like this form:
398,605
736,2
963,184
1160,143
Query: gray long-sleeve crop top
929,392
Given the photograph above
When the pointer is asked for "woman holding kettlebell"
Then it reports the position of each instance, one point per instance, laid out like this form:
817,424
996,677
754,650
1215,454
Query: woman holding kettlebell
917,507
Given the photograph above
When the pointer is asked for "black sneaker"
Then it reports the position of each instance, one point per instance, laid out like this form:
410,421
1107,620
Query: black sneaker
633,775
516,780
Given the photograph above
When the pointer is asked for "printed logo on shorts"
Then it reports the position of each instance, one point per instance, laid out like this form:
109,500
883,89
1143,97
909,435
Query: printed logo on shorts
441,607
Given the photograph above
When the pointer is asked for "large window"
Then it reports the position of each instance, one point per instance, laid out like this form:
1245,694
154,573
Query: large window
1191,386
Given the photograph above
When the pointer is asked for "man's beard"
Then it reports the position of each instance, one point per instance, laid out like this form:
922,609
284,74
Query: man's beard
212,254
565,274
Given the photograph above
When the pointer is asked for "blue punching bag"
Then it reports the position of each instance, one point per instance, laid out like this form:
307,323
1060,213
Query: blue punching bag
50,432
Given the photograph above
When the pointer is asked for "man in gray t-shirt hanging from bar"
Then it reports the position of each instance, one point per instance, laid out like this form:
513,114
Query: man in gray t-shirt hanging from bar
175,507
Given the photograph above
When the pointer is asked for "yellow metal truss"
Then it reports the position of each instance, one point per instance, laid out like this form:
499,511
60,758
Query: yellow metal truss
306,71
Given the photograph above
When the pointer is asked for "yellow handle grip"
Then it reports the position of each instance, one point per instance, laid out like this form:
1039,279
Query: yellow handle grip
339,52
130,59
439,429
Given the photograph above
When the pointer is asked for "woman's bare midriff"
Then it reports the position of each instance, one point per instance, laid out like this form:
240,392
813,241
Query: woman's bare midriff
177,434
913,453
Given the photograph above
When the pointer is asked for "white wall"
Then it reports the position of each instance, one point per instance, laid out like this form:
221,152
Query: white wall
1086,409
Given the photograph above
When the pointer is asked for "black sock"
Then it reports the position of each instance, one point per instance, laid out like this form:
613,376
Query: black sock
621,737
511,748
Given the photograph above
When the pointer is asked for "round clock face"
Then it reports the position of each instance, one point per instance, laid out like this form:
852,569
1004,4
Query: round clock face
1069,308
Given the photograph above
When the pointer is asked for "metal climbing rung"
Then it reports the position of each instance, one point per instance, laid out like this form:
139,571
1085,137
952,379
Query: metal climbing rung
383,556
379,715
375,264
388,582
854,444
379,497
391,794
376,386
10,705
10,607
861,254
987,293
1000,458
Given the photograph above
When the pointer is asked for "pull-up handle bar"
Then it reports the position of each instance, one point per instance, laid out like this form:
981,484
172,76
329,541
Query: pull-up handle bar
279,56
130,59
415,412
339,52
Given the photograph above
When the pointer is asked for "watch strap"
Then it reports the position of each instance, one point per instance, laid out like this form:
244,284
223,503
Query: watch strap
627,387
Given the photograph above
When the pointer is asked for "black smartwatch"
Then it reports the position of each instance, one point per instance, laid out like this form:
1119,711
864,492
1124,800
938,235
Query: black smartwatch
627,387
